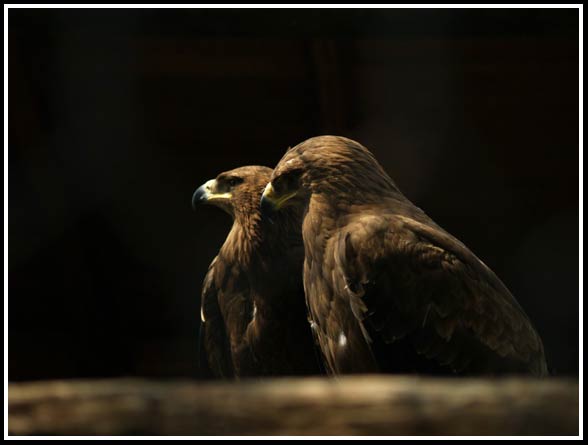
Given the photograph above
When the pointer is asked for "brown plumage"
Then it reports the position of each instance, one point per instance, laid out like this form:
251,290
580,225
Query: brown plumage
253,311
387,288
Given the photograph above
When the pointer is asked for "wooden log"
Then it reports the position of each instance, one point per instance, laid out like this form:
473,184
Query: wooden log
367,405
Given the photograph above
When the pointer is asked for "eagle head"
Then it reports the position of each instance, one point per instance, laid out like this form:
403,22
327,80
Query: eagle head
235,191
333,166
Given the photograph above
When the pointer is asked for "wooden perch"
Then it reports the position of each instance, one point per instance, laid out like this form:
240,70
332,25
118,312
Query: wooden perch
376,405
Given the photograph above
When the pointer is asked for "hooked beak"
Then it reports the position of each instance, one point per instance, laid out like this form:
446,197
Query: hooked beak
267,204
199,196
206,194
271,202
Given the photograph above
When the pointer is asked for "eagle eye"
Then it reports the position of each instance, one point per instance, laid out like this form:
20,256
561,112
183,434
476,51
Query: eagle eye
234,181
231,181
287,181
278,183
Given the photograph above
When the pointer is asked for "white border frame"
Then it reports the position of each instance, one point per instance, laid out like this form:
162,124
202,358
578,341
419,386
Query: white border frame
297,6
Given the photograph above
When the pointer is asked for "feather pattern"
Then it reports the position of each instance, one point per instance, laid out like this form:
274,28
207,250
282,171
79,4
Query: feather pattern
252,298
407,295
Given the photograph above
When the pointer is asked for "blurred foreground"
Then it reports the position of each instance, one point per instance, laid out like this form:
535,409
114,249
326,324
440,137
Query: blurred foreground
376,405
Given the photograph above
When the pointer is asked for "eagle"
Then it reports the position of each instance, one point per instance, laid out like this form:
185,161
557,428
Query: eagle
387,289
253,312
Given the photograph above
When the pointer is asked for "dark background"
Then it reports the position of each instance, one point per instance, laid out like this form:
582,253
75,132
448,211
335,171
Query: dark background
116,116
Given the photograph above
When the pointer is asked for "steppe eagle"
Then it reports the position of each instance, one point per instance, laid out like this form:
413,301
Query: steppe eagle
387,289
253,311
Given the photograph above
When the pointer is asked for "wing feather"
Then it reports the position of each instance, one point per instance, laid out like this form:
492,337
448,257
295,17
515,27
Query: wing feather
213,337
404,278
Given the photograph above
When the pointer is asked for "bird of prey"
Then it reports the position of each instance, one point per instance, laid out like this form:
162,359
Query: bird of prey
388,290
253,309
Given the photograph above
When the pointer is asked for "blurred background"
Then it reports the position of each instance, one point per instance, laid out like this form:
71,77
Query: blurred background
116,116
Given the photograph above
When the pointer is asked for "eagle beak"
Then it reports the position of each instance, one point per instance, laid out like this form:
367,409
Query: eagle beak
267,204
200,195
206,194
271,202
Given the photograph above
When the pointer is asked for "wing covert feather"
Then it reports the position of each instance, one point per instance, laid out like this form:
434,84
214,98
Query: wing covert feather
403,278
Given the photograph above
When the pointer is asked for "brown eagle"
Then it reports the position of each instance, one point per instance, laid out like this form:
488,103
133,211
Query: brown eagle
388,290
253,310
